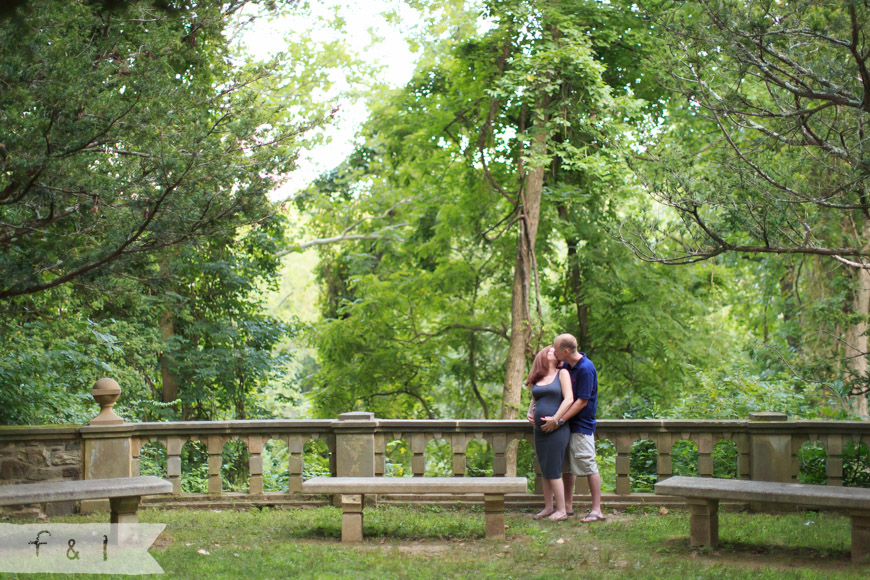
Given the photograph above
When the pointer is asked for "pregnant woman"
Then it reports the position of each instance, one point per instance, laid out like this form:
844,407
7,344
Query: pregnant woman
551,396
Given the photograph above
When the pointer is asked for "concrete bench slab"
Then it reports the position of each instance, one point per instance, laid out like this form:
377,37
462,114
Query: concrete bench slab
123,493
353,489
367,485
703,494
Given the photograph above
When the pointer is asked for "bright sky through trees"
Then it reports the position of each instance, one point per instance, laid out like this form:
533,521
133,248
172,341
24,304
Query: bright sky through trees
368,33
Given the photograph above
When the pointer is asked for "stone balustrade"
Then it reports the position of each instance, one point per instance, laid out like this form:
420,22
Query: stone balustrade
765,447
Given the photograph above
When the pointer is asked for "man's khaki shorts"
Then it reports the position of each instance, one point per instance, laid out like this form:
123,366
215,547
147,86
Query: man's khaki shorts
581,454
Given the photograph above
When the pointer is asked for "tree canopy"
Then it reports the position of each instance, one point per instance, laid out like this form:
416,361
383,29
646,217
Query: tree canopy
680,185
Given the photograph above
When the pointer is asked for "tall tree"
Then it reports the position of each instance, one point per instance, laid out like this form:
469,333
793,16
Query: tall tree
136,235
767,153
510,137
126,131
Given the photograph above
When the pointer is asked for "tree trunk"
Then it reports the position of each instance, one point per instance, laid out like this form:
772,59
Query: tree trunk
521,324
574,288
856,335
170,381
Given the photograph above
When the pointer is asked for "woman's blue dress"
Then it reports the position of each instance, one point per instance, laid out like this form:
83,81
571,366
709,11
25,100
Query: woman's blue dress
549,447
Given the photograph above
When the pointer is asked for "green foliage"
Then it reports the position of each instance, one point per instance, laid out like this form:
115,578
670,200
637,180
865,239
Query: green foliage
526,463
194,467
725,458
315,459
735,392
478,459
643,471
276,469
153,460
416,302
684,458
235,467
439,459
125,133
856,465
605,457
813,461
754,157
397,460
144,152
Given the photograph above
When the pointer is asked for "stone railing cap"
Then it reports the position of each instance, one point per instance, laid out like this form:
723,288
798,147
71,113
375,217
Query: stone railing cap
768,416
357,416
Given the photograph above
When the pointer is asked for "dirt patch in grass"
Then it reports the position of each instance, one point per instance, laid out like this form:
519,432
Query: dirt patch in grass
163,541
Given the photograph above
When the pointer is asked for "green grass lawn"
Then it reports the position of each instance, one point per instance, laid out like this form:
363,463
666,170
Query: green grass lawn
419,543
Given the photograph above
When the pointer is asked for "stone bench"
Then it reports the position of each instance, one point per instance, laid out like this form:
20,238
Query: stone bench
353,490
703,494
123,493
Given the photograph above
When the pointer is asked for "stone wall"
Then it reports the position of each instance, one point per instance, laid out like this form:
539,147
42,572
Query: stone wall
33,454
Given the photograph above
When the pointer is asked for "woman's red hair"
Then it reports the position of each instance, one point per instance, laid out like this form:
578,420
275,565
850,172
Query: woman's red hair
540,367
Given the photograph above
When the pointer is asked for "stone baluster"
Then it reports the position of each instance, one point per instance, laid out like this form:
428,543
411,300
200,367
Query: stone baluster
499,443
418,458
215,447
459,445
834,447
743,455
380,454
664,463
255,464
705,454
295,462
623,463
174,444
135,454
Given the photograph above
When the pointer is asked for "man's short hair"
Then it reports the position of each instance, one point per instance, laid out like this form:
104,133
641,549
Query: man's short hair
565,341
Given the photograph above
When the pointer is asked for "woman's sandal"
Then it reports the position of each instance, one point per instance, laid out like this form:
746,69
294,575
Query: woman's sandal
542,514
590,518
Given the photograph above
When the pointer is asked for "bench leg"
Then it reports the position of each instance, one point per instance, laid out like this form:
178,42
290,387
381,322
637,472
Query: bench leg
351,518
704,522
861,538
124,510
494,508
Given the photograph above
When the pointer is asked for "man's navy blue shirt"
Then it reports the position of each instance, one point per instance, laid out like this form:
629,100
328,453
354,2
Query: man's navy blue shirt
584,381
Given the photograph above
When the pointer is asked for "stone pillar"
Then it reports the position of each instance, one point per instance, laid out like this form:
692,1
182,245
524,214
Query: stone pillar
770,453
703,522
108,443
861,537
354,457
355,445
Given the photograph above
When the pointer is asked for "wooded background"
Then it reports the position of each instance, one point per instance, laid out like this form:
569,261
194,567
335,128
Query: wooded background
681,185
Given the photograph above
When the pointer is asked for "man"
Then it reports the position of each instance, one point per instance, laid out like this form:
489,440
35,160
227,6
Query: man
580,417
